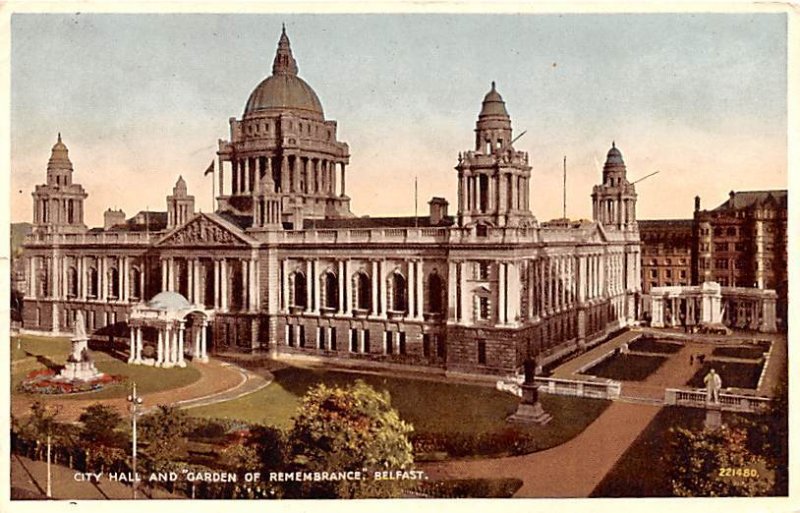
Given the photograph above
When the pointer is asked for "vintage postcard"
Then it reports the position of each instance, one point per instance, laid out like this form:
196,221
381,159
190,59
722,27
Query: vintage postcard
272,253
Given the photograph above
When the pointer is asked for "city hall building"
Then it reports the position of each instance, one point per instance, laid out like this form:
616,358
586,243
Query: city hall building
284,267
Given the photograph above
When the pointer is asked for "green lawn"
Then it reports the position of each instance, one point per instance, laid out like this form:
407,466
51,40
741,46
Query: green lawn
627,367
429,406
48,351
30,345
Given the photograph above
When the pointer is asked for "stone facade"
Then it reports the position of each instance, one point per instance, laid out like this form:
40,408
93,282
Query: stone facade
287,269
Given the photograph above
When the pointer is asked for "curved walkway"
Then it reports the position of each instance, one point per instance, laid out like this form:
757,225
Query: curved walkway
573,469
218,380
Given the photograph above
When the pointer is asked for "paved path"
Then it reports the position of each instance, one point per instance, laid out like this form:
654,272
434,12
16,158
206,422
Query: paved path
29,481
570,369
673,373
217,380
572,469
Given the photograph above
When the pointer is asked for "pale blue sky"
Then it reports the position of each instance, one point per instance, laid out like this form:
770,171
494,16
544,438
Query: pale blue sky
140,99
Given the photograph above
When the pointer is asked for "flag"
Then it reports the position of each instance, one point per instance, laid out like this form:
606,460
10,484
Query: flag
210,169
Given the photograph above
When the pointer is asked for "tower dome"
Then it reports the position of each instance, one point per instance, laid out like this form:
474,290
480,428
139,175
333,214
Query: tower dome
493,104
614,156
59,156
284,90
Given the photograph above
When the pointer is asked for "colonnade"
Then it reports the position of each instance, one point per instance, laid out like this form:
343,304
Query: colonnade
381,295
502,193
292,174
197,287
170,346
56,270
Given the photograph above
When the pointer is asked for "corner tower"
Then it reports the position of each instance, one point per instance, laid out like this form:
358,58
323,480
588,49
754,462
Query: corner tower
494,178
58,204
614,200
283,143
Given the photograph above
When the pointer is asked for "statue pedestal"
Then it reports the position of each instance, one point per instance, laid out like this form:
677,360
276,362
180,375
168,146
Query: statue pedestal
530,410
713,416
79,366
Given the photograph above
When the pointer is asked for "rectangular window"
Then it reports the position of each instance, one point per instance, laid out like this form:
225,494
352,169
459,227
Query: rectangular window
482,352
401,342
353,340
440,347
483,270
302,336
483,308
683,273
321,337
668,273
366,341
654,273
426,345
389,342
333,339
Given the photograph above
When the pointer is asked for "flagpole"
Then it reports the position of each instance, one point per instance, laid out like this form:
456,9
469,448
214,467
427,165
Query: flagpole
416,219
565,186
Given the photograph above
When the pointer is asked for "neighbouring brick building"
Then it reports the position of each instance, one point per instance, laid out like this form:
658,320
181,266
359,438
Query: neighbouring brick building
666,252
284,267
743,243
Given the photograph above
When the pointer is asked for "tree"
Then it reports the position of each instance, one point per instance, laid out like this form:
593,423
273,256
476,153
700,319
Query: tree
349,429
164,431
99,426
716,463
42,422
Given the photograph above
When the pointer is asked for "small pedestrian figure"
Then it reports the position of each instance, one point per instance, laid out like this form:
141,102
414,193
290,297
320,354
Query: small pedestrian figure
691,360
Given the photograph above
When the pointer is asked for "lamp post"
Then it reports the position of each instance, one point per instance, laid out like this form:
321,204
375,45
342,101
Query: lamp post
135,401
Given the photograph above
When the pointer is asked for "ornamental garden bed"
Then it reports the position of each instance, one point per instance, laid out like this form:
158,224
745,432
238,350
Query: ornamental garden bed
654,345
627,367
746,352
733,374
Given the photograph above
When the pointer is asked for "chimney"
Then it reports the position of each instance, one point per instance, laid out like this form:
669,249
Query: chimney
112,218
438,209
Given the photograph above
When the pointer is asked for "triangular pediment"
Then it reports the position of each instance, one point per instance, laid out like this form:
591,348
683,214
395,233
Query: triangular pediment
206,230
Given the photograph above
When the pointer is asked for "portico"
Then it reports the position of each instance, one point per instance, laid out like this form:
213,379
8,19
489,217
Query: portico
180,326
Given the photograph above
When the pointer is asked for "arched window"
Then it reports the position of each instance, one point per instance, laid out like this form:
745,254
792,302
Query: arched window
363,291
300,298
72,282
113,282
435,289
331,290
93,286
135,287
399,301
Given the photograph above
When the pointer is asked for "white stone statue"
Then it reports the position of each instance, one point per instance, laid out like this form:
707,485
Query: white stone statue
713,383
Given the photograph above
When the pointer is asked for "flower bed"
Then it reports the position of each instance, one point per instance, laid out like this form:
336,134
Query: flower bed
45,381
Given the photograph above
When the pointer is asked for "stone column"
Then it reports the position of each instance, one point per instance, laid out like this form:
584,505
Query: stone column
199,296
463,293
217,302
102,290
452,292
342,279
132,353
223,276
244,266
203,342
383,288
315,286
190,280
344,190
160,348
348,307
309,286
410,287
420,289
181,331
375,279
254,288
138,357
502,317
